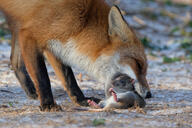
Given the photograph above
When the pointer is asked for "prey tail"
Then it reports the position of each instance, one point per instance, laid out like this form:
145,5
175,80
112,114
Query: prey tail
96,110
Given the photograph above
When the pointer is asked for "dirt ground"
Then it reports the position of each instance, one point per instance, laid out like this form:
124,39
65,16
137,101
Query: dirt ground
170,82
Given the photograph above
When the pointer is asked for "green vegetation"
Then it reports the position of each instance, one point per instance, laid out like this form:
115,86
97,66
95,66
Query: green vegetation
98,122
10,104
148,0
170,60
175,29
185,33
147,44
186,44
3,32
190,24
168,2
190,57
182,31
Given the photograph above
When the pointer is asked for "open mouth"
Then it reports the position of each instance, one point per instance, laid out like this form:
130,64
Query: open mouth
133,81
95,105
113,93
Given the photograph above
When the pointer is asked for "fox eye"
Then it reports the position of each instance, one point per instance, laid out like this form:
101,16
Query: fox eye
122,82
118,83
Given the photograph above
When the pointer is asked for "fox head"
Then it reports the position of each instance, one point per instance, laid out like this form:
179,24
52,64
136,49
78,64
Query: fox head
132,58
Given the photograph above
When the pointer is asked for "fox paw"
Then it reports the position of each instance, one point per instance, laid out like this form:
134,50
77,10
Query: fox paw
33,96
50,108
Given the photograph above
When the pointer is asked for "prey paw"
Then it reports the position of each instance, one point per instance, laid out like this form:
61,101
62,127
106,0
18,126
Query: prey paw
93,104
85,103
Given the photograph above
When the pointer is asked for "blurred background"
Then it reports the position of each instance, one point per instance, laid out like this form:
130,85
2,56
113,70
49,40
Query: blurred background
164,26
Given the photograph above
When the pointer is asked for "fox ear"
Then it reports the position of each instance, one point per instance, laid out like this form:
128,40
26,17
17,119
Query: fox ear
117,25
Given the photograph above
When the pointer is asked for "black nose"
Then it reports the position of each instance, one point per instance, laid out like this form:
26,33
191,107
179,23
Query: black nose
149,95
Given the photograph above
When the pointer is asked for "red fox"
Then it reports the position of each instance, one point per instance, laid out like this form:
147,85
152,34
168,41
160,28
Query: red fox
86,34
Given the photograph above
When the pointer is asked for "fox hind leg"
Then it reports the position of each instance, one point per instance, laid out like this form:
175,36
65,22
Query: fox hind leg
20,69
35,65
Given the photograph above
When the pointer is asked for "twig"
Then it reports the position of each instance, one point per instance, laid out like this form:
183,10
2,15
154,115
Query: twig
139,20
1,90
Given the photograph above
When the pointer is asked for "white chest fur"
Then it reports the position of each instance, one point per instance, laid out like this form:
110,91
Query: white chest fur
101,69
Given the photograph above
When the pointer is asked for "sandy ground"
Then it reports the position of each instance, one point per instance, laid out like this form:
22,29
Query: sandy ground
171,85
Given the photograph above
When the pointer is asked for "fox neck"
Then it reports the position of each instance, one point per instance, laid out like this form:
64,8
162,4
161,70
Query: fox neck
102,69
